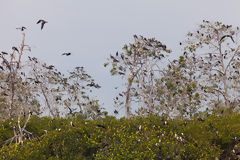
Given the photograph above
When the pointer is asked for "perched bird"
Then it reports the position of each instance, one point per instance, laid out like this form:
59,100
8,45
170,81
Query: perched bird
115,111
58,99
122,56
42,23
37,81
98,111
165,123
15,49
71,124
121,73
91,84
50,67
4,53
200,119
22,28
66,54
113,58
116,53
101,126
139,128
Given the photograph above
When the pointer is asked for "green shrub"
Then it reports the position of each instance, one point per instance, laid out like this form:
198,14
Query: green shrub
149,137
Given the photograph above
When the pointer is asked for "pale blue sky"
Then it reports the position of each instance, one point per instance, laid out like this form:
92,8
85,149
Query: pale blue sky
92,29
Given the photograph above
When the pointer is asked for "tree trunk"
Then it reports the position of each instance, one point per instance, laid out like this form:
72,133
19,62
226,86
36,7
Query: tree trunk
128,100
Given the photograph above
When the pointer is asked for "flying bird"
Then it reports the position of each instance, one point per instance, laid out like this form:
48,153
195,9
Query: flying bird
22,28
66,54
42,23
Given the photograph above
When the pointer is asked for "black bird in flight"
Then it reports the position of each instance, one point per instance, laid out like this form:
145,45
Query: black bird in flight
22,28
42,23
66,54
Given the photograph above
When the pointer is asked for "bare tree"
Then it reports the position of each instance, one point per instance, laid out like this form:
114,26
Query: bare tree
137,65
214,52
63,94
178,91
16,91
79,86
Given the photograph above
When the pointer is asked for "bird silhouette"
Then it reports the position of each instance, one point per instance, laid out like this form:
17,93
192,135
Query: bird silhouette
113,58
5,53
66,54
42,23
115,111
50,67
101,126
91,84
15,49
227,36
22,28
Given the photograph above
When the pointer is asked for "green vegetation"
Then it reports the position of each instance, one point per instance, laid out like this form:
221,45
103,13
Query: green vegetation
150,137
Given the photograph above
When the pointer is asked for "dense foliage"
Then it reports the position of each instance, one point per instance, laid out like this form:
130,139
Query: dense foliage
149,137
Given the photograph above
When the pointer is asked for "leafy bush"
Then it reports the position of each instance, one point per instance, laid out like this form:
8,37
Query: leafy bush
149,137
